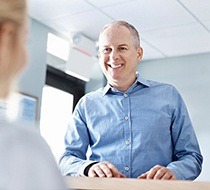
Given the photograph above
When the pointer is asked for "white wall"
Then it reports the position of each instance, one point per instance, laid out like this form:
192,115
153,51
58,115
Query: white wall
191,76
33,78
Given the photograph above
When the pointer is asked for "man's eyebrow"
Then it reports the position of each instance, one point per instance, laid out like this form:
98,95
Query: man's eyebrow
123,45
107,46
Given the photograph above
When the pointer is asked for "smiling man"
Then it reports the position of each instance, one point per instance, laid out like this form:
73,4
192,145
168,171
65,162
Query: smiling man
135,128
119,55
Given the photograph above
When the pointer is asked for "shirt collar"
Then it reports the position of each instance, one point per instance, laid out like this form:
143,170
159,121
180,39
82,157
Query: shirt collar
139,81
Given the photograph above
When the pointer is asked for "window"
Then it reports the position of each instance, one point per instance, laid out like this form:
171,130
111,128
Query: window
58,46
56,109
60,95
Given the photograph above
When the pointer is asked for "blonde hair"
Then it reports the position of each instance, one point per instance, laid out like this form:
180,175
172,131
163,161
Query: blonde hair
13,11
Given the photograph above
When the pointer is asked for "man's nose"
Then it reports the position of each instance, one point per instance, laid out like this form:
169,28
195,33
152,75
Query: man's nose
114,55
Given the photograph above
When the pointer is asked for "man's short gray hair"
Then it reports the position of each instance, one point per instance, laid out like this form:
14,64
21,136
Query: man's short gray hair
134,33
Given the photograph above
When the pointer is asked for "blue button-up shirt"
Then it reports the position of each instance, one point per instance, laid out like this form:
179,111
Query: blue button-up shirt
134,130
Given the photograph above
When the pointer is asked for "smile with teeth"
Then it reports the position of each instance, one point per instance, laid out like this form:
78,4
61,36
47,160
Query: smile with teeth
115,66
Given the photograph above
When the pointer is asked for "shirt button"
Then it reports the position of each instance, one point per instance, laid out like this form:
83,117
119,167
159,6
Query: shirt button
127,142
126,117
125,95
127,168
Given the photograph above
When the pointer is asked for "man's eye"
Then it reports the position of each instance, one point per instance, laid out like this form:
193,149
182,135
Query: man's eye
106,50
123,48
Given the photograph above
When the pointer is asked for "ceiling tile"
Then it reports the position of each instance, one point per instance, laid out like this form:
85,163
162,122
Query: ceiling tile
207,24
149,52
200,8
48,9
89,23
106,3
182,40
148,14
166,27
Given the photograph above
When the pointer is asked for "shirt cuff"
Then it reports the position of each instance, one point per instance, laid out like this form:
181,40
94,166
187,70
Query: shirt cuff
83,169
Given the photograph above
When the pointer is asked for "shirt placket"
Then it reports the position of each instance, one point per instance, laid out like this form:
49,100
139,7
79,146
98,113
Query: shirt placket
127,134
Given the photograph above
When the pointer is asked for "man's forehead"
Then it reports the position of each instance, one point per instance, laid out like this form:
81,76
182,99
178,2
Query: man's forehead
116,33
114,29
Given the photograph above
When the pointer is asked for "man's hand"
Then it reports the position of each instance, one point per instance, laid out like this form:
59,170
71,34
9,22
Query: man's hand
104,169
158,172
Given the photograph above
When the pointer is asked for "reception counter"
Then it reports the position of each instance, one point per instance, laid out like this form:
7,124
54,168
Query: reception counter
85,183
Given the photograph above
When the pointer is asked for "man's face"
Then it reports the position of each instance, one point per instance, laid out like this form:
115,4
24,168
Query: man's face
118,55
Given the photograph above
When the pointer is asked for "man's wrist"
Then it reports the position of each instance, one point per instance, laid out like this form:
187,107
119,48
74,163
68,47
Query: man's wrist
86,170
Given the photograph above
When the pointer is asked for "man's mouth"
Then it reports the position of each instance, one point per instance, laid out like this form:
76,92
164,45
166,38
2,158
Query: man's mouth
115,66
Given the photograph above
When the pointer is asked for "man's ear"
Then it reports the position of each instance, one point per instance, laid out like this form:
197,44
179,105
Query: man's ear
140,53
99,54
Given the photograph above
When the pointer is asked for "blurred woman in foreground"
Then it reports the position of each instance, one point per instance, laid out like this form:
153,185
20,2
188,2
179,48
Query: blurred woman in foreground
26,161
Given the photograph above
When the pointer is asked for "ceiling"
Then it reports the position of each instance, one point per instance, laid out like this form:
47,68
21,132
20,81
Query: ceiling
167,28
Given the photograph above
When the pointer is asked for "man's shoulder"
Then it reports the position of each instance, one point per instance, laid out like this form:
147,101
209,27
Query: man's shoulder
162,87
153,83
90,99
